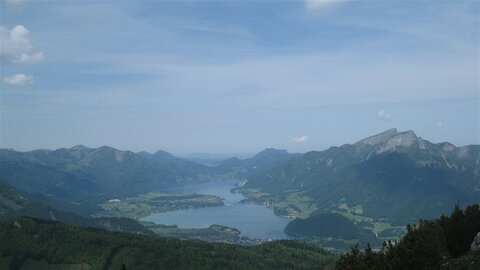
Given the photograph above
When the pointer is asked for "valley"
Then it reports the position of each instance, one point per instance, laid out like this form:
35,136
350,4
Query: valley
253,221
378,184
361,194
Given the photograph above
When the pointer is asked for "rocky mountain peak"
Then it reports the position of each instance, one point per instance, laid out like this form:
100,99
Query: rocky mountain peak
448,147
387,141
400,139
378,138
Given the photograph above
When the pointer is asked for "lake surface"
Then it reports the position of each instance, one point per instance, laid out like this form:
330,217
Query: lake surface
255,221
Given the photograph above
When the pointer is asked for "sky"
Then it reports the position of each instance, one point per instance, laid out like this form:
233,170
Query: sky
236,76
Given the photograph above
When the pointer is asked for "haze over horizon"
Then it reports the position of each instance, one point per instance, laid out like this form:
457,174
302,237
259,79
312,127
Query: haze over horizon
236,77
225,155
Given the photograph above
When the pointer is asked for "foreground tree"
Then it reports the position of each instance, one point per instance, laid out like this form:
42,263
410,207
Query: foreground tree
433,244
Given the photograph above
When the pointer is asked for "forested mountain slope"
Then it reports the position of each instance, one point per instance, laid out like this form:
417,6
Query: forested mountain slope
80,172
41,244
14,204
394,175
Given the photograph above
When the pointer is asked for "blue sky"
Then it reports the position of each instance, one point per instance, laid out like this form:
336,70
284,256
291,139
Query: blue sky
236,76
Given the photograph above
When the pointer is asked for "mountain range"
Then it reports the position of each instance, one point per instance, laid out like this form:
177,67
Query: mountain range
80,172
392,176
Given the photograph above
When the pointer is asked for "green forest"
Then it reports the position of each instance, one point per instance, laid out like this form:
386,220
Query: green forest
29,241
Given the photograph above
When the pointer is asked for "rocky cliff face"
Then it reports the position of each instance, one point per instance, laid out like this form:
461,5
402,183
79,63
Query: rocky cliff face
476,243
401,139
388,141
378,138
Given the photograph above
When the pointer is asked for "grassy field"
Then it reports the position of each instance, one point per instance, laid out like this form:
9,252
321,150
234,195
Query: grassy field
145,204
214,233
382,229
293,205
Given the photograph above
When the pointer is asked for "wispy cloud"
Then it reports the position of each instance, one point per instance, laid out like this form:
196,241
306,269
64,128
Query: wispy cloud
19,80
17,46
382,115
315,5
300,139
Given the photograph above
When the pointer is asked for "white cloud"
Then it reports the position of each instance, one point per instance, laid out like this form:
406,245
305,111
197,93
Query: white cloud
17,46
383,115
19,80
300,139
313,5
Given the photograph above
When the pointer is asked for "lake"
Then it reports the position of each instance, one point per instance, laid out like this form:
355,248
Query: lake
253,220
